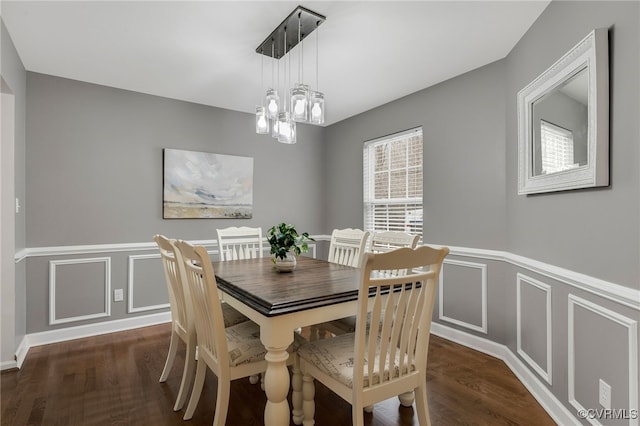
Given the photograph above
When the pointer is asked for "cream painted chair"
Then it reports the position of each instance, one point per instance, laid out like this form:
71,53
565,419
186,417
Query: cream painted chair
381,242
384,241
347,246
182,325
240,243
231,353
377,363
237,243
182,320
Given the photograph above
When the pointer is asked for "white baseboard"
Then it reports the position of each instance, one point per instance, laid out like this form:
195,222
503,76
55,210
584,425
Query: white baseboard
8,365
70,333
552,405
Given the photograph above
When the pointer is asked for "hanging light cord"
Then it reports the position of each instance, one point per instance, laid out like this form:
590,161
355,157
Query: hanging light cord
317,67
300,58
262,77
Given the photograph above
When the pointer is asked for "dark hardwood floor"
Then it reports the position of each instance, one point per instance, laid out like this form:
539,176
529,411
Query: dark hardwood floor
113,380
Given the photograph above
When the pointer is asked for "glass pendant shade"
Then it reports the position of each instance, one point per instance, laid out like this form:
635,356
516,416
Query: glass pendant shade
262,122
275,129
299,102
273,104
286,128
316,107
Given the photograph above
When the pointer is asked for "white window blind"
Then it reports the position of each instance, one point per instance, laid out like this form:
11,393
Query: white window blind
393,183
557,148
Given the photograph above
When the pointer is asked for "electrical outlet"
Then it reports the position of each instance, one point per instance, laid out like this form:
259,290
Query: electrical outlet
118,295
605,395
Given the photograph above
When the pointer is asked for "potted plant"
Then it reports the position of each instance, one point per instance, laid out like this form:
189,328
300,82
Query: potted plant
286,243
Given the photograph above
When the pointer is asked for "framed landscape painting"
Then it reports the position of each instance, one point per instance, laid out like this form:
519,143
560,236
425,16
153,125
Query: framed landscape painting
205,185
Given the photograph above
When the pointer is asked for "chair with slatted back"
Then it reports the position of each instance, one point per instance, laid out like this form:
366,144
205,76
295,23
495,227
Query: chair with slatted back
347,246
240,243
231,353
381,242
384,241
182,321
378,362
182,324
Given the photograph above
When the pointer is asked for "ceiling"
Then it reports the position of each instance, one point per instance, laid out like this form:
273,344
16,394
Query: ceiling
204,51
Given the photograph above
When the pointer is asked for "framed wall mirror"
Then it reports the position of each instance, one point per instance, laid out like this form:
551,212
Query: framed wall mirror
563,121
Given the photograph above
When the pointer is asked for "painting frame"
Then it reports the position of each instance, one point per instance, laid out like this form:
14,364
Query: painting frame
204,185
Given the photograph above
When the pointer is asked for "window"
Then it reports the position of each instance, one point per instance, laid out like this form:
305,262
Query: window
393,183
557,148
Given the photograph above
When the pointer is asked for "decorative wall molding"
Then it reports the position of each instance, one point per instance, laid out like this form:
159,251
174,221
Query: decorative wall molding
632,333
125,247
520,280
21,255
53,264
554,407
131,308
617,293
626,296
483,282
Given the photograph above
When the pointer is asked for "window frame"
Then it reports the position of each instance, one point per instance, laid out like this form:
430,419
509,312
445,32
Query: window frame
401,205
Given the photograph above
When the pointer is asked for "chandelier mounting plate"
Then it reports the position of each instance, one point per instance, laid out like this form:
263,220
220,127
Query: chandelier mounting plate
274,45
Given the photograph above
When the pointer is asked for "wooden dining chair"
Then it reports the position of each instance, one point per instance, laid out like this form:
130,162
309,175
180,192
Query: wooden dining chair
182,318
378,362
231,353
347,246
384,241
240,243
182,324
381,242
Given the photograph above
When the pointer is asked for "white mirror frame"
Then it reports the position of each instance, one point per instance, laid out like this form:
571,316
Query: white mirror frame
592,52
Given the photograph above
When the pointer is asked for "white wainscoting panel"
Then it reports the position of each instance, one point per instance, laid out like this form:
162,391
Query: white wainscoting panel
482,267
521,280
632,333
53,264
131,307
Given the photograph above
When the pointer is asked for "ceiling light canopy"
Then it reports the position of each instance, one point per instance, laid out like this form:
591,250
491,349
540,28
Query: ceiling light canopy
300,103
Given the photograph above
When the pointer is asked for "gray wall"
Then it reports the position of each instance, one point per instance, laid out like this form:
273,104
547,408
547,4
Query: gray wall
94,177
13,75
595,232
463,125
551,245
100,150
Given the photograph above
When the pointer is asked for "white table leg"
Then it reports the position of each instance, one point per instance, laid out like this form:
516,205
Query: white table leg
296,393
276,387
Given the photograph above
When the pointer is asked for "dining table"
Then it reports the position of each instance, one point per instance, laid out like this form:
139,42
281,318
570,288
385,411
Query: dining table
317,291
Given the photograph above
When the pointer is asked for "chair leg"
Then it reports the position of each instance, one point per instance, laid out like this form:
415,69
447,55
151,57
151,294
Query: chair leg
222,401
308,403
296,392
171,356
197,390
406,399
422,406
187,375
357,413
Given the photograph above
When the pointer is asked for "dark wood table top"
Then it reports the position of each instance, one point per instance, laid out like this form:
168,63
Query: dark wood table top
314,283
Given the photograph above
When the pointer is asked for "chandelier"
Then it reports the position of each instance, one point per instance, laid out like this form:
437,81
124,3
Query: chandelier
283,105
